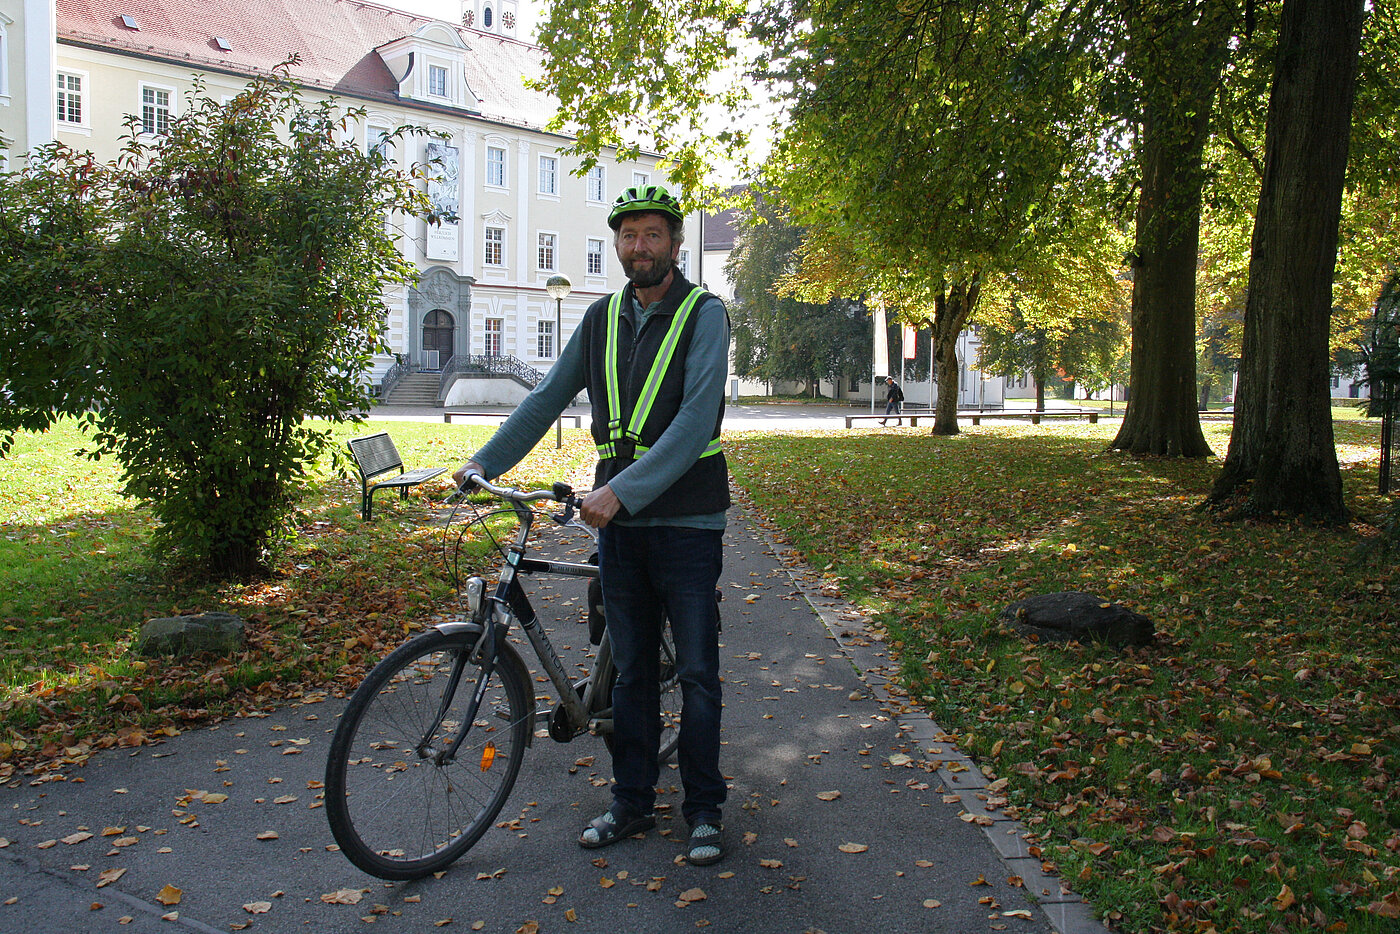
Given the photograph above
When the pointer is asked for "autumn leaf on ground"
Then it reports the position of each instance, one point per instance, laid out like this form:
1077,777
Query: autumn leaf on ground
828,795
853,848
169,895
108,876
258,908
344,897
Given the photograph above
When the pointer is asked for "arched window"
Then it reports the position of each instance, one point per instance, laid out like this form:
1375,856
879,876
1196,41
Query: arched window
486,16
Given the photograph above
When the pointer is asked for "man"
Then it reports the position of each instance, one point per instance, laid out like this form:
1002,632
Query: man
894,396
653,358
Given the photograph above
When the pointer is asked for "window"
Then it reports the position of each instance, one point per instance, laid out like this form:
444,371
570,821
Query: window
495,246
545,342
597,184
549,175
640,179
486,17
492,333
4,62
1336,382
547,243
437,80
595,257
70,98
496,166
376,141
683,263
155,111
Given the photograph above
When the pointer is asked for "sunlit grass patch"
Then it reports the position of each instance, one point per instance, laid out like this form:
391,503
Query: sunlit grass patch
77,581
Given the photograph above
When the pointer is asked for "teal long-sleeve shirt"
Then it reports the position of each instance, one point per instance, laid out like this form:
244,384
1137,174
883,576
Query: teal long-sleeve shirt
678,448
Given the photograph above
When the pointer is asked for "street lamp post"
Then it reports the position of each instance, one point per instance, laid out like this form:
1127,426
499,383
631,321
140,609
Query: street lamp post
558,288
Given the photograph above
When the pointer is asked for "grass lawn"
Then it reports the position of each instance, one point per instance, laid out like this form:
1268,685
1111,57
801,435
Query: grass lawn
77,582
1238,775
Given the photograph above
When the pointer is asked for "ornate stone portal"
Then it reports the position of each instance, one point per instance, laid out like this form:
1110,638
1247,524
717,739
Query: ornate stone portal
439,289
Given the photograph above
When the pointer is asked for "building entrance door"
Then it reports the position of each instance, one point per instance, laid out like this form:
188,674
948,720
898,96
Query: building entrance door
438,328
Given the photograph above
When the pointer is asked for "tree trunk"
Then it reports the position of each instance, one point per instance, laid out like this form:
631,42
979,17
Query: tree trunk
1282,449
951,309
1179,60
1206,387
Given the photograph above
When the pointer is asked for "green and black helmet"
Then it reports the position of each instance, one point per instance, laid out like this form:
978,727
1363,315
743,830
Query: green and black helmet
644,198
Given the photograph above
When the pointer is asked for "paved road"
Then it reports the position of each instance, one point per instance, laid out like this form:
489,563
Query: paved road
806,714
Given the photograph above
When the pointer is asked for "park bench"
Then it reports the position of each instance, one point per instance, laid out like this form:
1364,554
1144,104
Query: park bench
1035,417
448,416
375,455
912,419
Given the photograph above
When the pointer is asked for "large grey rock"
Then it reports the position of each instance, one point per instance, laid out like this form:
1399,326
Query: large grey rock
214,633
1078,617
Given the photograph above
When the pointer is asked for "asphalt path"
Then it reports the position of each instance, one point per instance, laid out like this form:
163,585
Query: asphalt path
848,812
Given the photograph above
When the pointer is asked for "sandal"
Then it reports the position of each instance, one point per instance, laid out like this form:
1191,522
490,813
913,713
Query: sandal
612,826
706,844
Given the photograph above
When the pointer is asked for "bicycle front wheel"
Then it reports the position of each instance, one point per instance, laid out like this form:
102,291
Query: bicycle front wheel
398,808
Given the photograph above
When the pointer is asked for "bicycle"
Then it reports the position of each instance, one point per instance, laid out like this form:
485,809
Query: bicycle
430,744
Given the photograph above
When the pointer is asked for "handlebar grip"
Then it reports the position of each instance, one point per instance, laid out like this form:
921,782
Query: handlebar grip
563,492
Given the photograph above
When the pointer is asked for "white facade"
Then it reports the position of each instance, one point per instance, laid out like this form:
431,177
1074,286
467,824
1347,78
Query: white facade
523,215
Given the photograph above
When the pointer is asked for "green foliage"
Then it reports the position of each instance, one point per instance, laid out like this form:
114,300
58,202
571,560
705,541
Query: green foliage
631,76
205,293
780,337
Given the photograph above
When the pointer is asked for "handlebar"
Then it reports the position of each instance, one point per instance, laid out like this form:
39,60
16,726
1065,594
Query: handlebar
561,492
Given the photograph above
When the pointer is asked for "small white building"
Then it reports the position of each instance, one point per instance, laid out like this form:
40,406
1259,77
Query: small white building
73,70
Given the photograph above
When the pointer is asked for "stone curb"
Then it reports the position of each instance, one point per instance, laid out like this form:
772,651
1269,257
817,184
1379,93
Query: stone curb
1065,911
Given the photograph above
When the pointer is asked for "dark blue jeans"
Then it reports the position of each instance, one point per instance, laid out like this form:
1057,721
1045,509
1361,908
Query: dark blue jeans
645,572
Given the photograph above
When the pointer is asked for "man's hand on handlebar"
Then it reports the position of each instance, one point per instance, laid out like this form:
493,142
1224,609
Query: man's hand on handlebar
461,473
599,506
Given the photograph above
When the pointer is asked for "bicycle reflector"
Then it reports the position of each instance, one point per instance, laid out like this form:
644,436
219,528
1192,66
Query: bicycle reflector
488,756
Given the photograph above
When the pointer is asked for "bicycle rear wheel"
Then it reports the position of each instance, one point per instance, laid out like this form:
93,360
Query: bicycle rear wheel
396,810
671,697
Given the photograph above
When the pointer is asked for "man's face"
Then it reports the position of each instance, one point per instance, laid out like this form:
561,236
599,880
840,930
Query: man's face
644,246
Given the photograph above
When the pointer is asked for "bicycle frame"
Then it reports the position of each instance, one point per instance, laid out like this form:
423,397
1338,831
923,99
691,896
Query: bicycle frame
509,602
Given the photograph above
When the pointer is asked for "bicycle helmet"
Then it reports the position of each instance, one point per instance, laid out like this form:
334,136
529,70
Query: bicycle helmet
644,198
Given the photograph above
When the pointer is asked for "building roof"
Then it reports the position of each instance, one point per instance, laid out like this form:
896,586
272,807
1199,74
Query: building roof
336,40
722,228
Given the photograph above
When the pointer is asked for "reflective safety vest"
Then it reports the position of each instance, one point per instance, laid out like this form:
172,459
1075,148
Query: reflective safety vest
636,382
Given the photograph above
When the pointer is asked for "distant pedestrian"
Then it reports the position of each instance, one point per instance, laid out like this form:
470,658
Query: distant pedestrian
894,400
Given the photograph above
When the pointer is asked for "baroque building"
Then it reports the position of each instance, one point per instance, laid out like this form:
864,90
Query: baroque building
76,70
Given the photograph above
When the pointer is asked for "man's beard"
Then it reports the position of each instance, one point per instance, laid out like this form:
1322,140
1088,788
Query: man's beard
660,267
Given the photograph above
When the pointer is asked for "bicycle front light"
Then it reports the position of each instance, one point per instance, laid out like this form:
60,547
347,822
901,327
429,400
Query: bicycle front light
476,594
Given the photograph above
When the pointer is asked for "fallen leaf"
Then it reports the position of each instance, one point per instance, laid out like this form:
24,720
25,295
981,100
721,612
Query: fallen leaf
258,908
771,863
828,795
853,848
1284,899
73,838
108,876
343,897
693,895
268,835
932,903
217,797
169,895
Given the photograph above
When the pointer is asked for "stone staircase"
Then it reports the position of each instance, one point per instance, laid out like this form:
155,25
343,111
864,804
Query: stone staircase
417,389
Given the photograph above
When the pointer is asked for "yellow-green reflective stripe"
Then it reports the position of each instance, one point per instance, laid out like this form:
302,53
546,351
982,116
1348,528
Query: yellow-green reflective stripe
714,447
612,399
662,362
